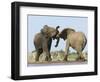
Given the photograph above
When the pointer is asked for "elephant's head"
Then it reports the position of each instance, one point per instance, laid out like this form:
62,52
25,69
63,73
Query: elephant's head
65,32
50,32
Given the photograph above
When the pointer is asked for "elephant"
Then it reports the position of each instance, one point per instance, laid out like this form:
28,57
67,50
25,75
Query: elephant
43,41
76,40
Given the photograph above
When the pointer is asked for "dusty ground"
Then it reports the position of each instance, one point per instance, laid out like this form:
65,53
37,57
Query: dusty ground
57,58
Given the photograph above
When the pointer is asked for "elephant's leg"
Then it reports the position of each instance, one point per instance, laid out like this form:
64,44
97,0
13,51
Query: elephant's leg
66,50
49,44
81,57
39,51
49,48
46,50
37,57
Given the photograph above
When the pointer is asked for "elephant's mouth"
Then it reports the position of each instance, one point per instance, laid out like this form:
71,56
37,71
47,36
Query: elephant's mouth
54,37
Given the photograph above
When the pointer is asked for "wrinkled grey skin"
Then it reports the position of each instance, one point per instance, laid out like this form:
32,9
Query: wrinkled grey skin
76,40
43,41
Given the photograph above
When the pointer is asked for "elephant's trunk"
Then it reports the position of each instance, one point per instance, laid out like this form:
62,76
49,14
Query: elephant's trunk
57,27
58,38
57,42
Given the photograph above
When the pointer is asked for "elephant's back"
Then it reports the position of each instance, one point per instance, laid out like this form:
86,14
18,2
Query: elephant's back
38,36
77,35
37,40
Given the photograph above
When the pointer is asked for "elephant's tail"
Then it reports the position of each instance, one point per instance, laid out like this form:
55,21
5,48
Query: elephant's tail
84,43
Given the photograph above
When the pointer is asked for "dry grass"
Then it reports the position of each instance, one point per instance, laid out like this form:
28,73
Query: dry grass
57,57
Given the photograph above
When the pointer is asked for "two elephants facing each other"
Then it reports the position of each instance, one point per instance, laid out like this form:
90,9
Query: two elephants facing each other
76,40
43,41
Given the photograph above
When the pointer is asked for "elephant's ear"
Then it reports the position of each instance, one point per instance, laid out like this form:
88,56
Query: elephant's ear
65,32
44,30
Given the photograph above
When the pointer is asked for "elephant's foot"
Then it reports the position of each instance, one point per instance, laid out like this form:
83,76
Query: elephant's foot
49,58
44,58
81,58
37,58
66,58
